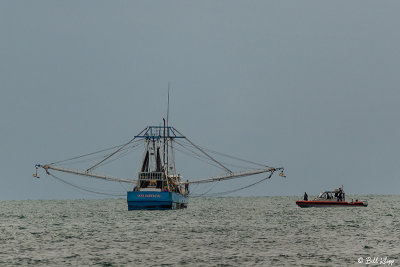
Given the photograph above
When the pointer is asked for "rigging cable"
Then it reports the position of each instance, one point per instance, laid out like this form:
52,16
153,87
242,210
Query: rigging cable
202,158
85,155
234,190
197,156
90,154
82,188
204,193
233,157
120,156
205,153
115,152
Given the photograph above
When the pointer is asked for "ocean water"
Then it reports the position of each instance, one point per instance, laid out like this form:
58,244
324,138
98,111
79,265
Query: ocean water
231,231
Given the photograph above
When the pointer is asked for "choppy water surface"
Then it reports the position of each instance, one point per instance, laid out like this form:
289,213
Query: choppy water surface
262,231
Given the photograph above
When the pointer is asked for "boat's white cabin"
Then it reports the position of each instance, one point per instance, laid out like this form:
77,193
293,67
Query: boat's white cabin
335,195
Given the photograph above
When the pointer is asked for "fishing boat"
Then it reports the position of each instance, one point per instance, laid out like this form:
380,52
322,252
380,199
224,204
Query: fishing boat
158,185
334,198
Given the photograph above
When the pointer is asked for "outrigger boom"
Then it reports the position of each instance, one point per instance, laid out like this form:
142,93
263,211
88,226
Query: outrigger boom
48,167
235,175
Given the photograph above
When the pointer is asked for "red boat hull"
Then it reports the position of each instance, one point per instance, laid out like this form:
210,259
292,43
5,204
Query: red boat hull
309,204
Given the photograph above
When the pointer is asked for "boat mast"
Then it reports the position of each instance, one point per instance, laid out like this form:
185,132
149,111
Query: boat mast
164,147
154,155
167,132
173,157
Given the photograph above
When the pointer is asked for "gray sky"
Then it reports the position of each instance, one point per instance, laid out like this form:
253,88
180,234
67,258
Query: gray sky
309,85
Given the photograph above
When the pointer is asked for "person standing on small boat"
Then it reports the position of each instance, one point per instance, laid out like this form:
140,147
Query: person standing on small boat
340,195
305,196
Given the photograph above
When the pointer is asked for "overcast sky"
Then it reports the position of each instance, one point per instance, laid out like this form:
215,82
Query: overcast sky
309,85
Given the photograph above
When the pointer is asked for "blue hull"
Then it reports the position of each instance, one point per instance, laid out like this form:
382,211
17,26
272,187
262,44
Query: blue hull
148,200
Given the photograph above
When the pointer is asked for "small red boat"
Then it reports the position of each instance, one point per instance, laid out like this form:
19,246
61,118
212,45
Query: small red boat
335,198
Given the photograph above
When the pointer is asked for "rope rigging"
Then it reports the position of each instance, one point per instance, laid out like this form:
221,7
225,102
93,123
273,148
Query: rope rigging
92,153
197,156
112,154
205,192
232,191
131,149
186,147
85,155
229,156
204,159
205,153
236,158
83,158
83,188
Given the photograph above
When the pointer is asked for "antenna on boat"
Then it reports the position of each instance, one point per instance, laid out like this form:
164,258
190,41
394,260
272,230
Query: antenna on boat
169,84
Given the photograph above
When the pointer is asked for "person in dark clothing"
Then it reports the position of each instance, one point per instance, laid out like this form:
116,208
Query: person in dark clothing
340,194
187,186
305,196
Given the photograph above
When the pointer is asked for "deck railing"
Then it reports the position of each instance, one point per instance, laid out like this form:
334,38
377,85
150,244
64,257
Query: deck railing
151,176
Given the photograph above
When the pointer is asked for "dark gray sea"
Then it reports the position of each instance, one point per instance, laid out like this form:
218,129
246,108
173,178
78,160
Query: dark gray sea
231,231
